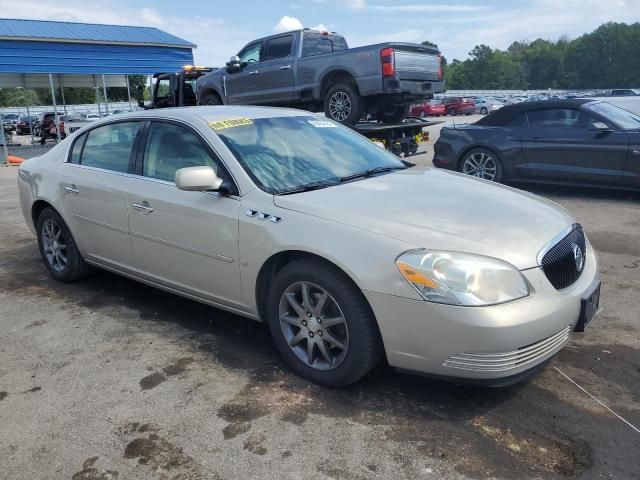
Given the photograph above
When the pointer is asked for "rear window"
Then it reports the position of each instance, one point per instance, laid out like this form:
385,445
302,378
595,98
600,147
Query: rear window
109,146
316,44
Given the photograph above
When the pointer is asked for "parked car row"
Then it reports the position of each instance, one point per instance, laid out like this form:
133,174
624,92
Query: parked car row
456,106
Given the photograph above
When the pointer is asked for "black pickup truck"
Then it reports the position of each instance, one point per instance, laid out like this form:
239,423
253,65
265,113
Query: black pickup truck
318,71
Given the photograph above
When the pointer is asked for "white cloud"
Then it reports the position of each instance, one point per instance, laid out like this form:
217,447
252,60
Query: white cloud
356,4
287,24
322,27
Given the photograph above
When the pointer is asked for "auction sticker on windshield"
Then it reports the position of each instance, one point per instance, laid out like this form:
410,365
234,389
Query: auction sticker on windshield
234,122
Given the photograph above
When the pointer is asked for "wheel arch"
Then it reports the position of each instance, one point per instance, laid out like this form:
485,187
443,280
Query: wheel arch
208,90
38,206
334,77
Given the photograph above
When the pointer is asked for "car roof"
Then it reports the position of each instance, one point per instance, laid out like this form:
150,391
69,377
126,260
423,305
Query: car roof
507,113
217,112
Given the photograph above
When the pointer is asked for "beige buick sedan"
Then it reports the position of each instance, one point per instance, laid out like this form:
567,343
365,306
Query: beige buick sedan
348,253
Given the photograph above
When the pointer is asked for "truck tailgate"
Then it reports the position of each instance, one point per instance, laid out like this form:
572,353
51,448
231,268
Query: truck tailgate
416,65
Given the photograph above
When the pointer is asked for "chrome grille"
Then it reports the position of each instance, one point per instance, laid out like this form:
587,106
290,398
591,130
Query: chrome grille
560,264
502,361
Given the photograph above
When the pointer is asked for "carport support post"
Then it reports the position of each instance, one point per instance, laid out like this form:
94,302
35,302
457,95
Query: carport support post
126,78
30,124
104,90
64,103
55,107
4,141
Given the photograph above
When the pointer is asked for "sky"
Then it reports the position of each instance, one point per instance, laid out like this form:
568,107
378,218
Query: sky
221,28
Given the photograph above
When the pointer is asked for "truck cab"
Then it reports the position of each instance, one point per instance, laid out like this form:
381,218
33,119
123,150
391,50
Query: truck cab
176,89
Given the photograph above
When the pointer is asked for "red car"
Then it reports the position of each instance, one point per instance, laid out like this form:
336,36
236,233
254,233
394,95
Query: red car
432,108
459,105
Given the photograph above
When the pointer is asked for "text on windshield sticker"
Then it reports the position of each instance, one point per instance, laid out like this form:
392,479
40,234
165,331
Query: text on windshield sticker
234,122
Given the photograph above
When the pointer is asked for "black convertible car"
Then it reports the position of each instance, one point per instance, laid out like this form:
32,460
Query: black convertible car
577,141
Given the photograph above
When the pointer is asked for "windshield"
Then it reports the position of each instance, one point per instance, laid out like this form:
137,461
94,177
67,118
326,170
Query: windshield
286,153
621,117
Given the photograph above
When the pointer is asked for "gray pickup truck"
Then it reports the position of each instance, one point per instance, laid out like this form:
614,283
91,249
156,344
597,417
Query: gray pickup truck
318,71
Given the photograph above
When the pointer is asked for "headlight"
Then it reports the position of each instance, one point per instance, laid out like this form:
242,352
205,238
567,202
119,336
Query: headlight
461,278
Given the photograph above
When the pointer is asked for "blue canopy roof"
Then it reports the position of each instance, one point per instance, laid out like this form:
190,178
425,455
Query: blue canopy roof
87,33
34,46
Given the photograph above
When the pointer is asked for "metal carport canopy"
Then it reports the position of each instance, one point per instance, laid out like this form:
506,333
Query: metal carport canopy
43,47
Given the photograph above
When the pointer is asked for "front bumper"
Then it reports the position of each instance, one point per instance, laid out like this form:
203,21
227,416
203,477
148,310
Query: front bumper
482,343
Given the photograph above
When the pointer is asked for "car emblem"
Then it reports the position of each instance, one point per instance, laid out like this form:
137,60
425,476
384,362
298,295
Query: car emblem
578,256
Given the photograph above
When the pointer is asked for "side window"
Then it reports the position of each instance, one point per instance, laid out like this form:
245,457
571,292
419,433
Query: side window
109,146
315,44
519,121
251,53
560,118
279,47
163,89
76,150
172,147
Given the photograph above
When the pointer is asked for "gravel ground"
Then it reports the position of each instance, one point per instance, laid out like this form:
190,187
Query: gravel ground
108,379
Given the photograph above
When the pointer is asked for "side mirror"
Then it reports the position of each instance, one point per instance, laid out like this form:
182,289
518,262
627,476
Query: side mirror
197,179
233,63
599,127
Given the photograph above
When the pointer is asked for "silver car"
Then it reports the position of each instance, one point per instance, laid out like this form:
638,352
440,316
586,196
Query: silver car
485,106
346,252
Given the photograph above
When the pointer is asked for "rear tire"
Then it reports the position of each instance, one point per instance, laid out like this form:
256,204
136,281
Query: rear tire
344,316
343,103
483,111
482,163
451,112
393,115
58,249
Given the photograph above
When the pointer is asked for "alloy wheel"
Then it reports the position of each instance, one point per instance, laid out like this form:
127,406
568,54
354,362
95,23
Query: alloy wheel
54,245
481,165
339,106
313,325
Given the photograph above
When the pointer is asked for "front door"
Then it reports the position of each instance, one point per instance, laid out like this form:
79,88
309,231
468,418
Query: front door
242,84
275,72
562,144
93,187
183,240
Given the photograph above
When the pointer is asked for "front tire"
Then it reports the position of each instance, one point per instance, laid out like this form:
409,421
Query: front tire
482,163
58,249
343,104
451,112
483,111
321,324
211,99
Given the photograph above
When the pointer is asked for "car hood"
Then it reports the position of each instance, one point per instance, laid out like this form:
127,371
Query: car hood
438,209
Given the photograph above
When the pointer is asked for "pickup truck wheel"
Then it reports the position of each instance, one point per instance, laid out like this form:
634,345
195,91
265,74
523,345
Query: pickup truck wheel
321,324
211,99
343,104
393,114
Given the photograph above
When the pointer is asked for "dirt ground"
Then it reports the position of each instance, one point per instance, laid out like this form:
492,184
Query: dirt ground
108,379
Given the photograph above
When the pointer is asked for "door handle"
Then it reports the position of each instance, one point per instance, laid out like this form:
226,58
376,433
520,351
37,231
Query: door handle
72,189
253,72
144,207
285,67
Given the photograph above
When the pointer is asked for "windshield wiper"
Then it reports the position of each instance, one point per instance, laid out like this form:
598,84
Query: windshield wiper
311,186
370,172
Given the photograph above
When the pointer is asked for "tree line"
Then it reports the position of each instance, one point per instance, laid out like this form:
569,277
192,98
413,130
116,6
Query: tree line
608,57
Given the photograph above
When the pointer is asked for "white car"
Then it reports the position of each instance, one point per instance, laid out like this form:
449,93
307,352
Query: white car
346,252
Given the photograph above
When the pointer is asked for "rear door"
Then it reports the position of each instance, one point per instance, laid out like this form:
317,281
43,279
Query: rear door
183,240
562,144
93,188
242,84
275,71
